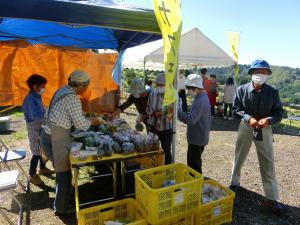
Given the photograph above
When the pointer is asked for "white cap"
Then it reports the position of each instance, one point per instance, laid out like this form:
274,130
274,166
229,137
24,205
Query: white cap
194,80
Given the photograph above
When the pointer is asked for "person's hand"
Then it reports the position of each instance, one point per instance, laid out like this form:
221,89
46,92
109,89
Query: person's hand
158,114
254,123
116,113
95,121
264,122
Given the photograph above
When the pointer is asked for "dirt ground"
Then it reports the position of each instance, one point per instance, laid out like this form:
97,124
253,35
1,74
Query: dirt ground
217,160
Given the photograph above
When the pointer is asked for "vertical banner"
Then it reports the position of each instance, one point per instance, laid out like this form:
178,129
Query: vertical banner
168,15
234,41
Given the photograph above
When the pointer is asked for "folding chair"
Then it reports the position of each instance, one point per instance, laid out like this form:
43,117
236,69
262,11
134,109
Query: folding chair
288,127
8,182
7,155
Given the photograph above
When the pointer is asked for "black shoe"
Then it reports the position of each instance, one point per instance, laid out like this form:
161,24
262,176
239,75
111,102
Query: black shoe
273,206
234,188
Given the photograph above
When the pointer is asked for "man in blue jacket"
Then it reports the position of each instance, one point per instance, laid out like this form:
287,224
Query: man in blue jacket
259,106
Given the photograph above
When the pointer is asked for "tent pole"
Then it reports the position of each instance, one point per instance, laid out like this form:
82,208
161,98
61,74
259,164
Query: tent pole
145,75
174,120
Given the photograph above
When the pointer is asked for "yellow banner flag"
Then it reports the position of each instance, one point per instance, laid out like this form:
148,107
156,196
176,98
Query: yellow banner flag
234,41
168,15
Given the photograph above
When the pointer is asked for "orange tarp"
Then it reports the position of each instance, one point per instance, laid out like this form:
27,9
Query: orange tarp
18,60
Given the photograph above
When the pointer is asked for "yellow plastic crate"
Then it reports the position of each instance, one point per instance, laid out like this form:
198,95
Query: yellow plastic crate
183,220
216,212
161,204
112,211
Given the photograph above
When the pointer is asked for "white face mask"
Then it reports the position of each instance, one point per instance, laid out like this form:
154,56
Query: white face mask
161,90
259,79
136,95
42,91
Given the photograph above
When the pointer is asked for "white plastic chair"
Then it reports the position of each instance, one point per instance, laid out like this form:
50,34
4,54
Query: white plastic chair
8,182
288,127
7,155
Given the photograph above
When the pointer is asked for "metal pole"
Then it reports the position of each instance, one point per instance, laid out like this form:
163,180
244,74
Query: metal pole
174,120
145,75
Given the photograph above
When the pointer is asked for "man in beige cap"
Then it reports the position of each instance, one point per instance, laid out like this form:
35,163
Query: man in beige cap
64,112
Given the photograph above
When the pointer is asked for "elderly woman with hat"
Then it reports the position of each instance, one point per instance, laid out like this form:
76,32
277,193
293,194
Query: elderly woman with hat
259,106
160,123
64,112
197,120
138,97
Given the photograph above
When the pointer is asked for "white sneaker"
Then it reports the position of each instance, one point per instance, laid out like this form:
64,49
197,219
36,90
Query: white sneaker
230,118
225,117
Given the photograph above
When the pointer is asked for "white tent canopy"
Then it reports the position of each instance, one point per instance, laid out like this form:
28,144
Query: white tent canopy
195,49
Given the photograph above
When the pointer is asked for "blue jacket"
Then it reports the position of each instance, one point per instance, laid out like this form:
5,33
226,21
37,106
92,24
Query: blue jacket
197,120
33,107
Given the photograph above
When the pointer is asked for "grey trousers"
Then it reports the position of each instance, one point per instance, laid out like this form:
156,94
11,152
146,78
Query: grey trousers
265,156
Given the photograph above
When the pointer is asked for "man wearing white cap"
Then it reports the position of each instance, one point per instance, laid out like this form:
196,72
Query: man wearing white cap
197,120
64,112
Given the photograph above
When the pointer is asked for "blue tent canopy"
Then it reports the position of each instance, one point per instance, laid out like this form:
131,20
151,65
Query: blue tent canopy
97,24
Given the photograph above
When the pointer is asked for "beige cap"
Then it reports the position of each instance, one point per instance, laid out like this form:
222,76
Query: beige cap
79,77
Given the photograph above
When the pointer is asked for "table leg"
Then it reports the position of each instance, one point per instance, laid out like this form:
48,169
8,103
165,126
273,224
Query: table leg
75,178
123,177
115,179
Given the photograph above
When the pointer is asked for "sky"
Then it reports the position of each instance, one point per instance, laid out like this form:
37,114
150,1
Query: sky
269,29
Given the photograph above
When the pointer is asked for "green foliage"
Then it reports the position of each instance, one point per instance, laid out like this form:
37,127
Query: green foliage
285,79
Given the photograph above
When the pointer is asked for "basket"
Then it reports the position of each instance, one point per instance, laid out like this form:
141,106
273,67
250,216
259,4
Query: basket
182,220
216,212
159,204
112,211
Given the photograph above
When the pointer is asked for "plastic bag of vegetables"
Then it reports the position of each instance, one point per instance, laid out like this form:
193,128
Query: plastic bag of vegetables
127,148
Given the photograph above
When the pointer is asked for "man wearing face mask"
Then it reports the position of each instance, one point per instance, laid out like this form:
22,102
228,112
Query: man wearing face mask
197,120
64,112
160,123
138,97
259,106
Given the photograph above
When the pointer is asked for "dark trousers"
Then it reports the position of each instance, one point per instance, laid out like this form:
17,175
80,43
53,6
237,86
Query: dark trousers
33,164
213,113
194,155
226,105
182,95
165,138
63,191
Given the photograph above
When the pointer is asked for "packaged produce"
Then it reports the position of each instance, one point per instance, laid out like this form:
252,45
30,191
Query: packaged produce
211,193
116,148
127,148
167,183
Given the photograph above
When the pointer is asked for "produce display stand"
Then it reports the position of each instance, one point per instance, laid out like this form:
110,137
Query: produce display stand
115,160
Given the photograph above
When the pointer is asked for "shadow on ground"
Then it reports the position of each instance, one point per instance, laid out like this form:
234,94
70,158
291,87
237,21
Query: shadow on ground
248,211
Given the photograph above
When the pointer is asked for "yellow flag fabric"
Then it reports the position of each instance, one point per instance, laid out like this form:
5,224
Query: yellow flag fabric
168,15
234,41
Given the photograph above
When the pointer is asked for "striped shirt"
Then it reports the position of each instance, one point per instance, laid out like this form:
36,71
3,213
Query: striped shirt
155,105
66,110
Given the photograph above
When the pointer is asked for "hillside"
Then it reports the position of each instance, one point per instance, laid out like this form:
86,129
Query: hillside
285,79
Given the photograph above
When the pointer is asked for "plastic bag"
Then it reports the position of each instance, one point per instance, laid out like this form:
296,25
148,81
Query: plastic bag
128,148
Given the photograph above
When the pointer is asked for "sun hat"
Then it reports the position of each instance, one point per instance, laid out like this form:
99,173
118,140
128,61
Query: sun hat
160,79
259,64
194,80
136,87
79,77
